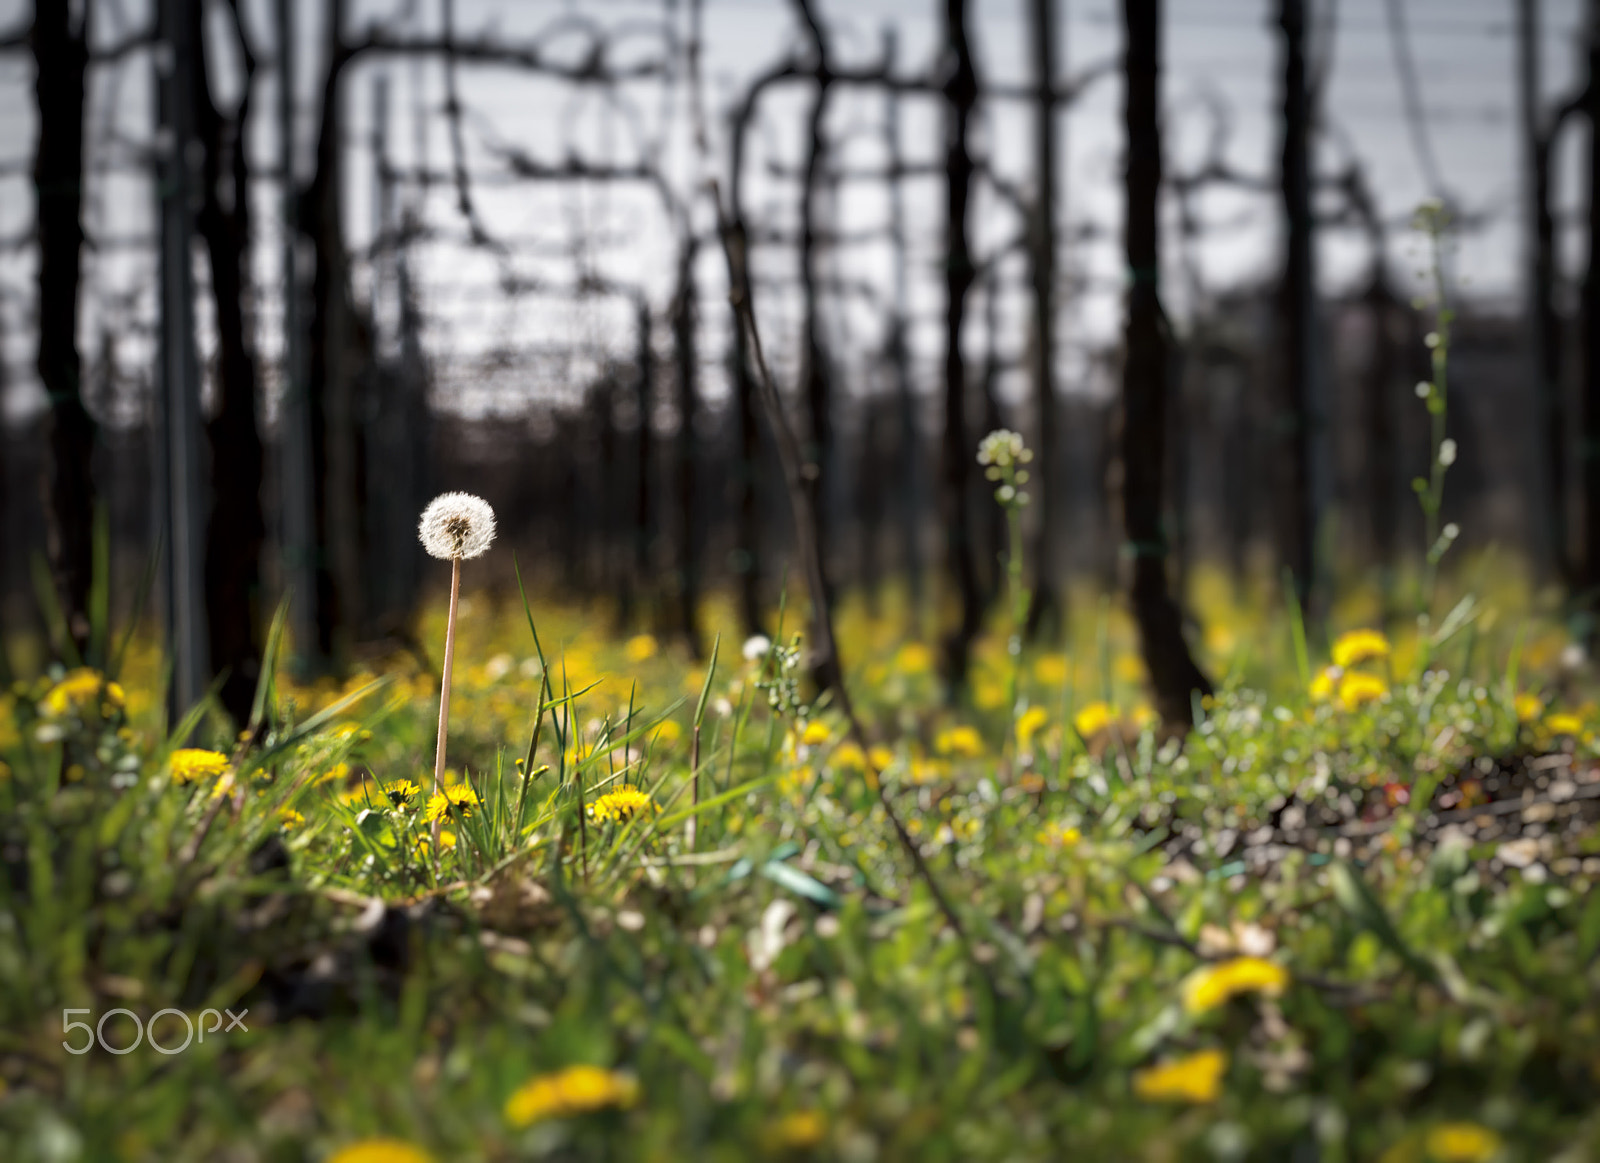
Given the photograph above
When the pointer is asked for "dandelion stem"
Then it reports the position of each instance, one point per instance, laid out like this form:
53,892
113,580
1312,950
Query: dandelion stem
444,698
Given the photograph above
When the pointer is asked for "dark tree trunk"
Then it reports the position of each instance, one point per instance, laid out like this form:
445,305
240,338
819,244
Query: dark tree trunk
748,551
745,397
687,359
910,438
992,521
1046,610
1544,325
1298,305
1381,451
61,56
327,371
237,527
644,375
1547,358
1173,673
1591,324
820,453
871,486
961,97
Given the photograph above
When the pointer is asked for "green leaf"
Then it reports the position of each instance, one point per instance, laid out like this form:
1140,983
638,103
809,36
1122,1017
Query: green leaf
1357,899
800,883
269,668
1461,614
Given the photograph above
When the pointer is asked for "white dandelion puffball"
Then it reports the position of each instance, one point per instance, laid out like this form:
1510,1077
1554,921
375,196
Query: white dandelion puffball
456,525
756,647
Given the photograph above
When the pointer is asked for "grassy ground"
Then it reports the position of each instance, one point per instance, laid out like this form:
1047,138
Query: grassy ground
1347,918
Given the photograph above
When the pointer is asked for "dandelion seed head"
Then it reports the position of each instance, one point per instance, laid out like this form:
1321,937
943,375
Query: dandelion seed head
456,525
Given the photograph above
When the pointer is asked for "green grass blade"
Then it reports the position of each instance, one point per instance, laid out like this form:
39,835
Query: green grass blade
44,592
140,597
100,588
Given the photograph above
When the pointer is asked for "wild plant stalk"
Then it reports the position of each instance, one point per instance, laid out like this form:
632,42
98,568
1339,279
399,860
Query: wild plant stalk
691,827
454,528
1003,454
1433,220
444,696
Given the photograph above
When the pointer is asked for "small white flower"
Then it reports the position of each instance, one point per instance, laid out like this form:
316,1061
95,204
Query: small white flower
456,525
756,647
1451,531
1424,390
1447,453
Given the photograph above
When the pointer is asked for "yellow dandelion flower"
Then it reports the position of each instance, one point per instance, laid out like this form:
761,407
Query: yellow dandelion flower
80,690
1051,669
457,800
1357,689
579,752
424,842
381,1151
574,1091
1060,836
1323,685
1529,707
1358,646
882,758
289,819
815,732
1128,668
1093,719
1143,716
191,763
959,741
797,1131
336,773
359,796
849,755
667,732
1195,1078
1462,1143
1563,723
796,780
913,658
641,648
621,805
928,771
1029,722
988,693
401,792
1212,985
1219,639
